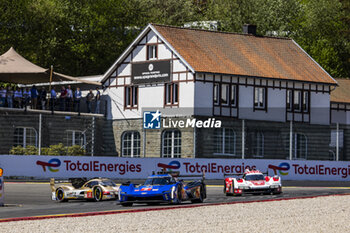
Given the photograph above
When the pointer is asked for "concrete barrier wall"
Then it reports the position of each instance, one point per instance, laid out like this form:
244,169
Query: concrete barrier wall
140,168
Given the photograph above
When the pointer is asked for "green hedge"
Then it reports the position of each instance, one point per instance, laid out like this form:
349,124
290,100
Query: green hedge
57,150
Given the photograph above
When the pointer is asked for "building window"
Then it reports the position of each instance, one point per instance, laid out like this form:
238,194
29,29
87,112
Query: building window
131,97
300,146
24,136
171,144
259,98
225,141
225,94
216,94
233,96
297,101
305,101
171,93
289,100
75,137
258,144
131,144
152,52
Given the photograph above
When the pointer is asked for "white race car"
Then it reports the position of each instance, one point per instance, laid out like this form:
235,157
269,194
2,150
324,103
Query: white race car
251,181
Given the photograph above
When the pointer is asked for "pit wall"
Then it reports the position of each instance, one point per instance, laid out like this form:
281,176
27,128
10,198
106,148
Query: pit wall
140,168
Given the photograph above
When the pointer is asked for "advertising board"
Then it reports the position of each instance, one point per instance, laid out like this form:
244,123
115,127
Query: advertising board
140,168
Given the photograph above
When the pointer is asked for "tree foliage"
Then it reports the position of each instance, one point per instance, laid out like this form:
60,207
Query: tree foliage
84,37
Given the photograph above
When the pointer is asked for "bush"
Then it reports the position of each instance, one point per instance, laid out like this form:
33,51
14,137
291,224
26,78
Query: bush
45,151
31,150
76,150
17,150
56,150
59,149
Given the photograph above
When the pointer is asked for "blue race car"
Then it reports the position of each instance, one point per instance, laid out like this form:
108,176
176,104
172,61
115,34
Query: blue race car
164,187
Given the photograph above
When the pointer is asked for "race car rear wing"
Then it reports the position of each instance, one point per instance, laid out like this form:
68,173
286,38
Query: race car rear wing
233,174
177,174
76,182
241,174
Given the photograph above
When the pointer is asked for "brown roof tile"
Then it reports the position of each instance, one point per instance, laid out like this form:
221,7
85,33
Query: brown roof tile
240,54
341,94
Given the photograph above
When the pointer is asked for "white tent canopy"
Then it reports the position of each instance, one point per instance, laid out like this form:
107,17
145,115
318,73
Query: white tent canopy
16,69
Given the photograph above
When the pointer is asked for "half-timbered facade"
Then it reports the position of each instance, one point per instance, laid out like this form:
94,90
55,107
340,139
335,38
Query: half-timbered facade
191,73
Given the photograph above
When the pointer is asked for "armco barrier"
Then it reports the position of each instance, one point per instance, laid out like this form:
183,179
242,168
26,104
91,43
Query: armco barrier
139,168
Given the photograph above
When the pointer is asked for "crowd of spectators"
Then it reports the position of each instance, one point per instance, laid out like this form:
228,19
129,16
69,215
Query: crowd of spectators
40,98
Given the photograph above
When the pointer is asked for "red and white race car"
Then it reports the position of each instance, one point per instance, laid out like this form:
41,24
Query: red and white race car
251,181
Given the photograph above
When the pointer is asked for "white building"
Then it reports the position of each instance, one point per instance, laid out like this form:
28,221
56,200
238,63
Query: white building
191,73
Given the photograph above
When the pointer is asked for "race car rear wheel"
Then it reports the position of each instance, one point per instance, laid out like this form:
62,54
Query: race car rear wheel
98,193
60,195
201,196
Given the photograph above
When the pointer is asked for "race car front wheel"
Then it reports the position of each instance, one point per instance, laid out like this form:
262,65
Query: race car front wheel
60,195
98,194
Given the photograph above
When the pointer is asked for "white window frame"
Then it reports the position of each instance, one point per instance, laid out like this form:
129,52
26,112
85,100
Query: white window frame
289,102
131,99
171,93
297,101
260,97
220,142
225,94
24,137
305,104
216,94
71,138
172,145
233,95
135,144
152,51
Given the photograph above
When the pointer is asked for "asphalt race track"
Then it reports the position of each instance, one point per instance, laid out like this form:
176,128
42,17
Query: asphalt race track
34,199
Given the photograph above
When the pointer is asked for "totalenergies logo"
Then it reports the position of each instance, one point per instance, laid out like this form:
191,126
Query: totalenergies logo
170,166
50,165
280,168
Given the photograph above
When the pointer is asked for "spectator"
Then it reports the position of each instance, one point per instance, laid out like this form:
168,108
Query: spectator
98,100
34,95
43,96
69,98
63,97
89,98
2,96
9,96
26,97
77,98
53,97
18,97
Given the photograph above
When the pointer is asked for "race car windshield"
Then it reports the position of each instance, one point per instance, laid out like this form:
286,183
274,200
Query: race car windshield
108,183
254,177
158,181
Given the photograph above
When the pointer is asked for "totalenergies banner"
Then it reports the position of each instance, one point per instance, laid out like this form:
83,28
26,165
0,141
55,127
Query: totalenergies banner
140,168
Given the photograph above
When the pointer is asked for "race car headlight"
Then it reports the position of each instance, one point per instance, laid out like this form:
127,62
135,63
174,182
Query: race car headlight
173,192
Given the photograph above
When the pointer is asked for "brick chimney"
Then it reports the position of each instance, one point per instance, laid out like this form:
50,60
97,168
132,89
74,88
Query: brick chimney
249,29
